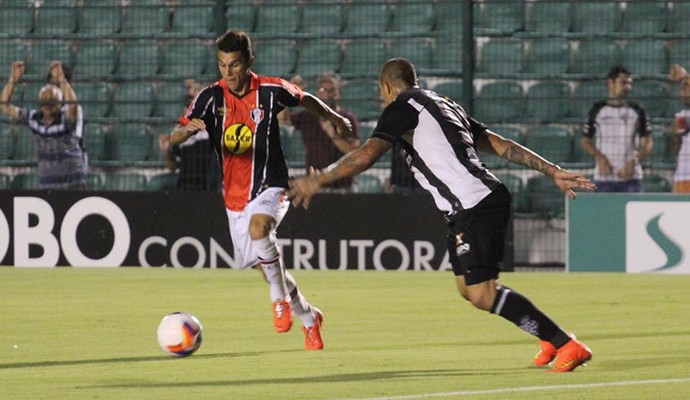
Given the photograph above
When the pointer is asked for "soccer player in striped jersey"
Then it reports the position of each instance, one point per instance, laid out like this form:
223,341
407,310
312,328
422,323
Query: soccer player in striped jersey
240,114
441,142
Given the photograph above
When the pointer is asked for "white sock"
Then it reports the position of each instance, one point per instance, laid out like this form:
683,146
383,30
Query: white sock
300,306
267,250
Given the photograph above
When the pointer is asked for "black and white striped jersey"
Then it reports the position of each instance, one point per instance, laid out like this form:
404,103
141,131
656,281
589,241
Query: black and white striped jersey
440,141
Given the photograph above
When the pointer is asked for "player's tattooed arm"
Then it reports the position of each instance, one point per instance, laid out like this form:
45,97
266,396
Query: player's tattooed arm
494,143
355,161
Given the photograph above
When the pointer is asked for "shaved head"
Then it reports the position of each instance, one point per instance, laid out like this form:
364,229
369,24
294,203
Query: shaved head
399,72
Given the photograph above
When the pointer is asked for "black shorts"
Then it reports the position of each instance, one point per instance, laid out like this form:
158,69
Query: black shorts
476,238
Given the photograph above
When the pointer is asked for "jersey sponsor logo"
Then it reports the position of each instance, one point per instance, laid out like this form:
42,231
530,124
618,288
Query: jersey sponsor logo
461,247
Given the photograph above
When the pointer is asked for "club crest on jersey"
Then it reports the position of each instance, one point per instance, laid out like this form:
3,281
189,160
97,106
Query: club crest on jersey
460,246
257,115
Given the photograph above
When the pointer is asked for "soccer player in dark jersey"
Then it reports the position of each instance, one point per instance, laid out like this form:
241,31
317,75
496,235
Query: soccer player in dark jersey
240,114
441,142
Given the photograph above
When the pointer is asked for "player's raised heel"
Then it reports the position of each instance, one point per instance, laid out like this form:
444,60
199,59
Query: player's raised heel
570,356
312,335
282,316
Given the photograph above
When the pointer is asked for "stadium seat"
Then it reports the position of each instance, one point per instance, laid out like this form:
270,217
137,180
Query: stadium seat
94,182
317,56
678,22
95,59
132,100
412,17
144,20
99,20
596,17
500,102
579,159
548,101
366,19
449,20
418,50
654,96
550,17
586,93
54,19
453,89
362,98
552,142
368,183
509,132
448,55
548,57
644,17
17,18
501,57
276,57
646,58
516,187
661,157
163,182
543,198
322,19
25,181
30,90
171,100
5,181
24,147
138,59
7,139
125,182
130,142
184,59
680,52
293,146
241,16
595,57
12,50
95,142
277,20
43,52
363,58
498,17
192,20
95,97
655,183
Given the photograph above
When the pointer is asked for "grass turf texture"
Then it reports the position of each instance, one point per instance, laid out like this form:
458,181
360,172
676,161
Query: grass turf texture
91,334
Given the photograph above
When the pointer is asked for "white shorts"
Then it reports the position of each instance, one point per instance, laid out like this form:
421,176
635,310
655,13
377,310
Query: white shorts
273,202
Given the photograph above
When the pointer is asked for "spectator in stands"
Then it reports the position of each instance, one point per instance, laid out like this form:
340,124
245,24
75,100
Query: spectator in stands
680,141
613,128
194,159
240,113
62,162
442,143
52,79
322,144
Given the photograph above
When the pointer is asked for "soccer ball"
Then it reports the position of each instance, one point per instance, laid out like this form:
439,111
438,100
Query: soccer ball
179,334
238,138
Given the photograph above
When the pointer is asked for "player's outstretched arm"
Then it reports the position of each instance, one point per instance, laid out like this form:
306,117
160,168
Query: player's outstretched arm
315,106
304,188
516,153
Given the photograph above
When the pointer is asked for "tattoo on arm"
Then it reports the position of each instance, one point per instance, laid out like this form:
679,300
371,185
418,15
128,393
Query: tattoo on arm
523,156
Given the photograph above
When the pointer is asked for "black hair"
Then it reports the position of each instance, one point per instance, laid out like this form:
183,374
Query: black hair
617,70
232,41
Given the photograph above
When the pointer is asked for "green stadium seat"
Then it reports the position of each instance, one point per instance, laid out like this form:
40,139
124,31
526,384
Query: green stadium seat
96,142
412,17
661,157
364,58
5,181
163,182
95,59
30,90
447,56
596,17
130,142
552,142
543,198
241,16
579,159
449,20
95,97
644,17
43,52
501,57
125,182
277,20
453,89
317,56
655,183
595,57
510,132
94,182
680,52
7,139
25,181
12,50
193,20
138,59
55,20
500,102
322,19
548,101
171,100
646,57
678,22
498,17
100,20
293,146
654,96
548,57
133,100
362,98
515,185
24,147
276,57
366,19
17,18
586,93
368,183
548,17
418,50
144,20
185,59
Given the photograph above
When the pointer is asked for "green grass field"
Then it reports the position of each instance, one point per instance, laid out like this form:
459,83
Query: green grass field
90,334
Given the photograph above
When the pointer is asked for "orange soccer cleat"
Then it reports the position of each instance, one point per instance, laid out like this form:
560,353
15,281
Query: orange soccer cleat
312,335
546,354
570,356
282,316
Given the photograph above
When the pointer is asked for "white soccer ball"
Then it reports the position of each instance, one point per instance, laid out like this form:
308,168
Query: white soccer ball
179,334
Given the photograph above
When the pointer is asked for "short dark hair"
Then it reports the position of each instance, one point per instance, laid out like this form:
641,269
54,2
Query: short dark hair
66,70
232,41
399,70
617,70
